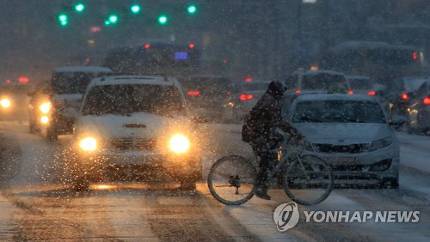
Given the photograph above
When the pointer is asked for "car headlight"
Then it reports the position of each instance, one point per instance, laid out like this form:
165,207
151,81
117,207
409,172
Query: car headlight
5,103
88,144
381,143
45,107
179,144
44,120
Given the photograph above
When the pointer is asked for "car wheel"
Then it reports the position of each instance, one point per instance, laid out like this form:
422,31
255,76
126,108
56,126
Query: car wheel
32,128
51,133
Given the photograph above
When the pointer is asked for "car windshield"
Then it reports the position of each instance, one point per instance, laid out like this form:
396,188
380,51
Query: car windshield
72,82
338,111
324,82
360,83
127,99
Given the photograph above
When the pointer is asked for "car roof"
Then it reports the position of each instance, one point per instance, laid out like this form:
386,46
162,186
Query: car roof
207,77
130,79
333,97
356,77
329,72
89,69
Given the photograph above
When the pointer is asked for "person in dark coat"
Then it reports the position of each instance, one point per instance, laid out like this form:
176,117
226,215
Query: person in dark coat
262,121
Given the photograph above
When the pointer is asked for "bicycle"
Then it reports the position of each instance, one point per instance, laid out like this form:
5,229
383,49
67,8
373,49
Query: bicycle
306,179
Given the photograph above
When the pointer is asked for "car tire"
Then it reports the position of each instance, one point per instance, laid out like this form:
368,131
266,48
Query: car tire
32,128
51,133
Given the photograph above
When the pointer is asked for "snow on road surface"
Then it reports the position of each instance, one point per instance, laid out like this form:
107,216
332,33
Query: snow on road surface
38,207
414,151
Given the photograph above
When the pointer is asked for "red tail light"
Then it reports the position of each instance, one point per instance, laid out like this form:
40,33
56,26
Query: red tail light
191,45
350,92
371,93
248,78
298,92
193,93
426,101
414,55
246,97
404,96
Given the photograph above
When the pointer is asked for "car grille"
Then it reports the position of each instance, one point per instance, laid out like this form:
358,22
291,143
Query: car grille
328,148
133,143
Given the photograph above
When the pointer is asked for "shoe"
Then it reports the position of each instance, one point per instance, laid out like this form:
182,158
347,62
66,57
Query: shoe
261,192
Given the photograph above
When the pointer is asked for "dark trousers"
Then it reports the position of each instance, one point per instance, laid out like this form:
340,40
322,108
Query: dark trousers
267,154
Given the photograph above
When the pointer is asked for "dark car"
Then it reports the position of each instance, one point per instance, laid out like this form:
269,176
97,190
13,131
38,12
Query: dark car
418,110
401,95
55,106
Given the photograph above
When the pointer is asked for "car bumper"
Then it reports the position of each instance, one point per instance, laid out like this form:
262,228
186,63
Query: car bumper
180,166
376,165
423,118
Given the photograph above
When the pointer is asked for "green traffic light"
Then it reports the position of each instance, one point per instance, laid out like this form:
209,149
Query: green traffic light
135,9
63,19
80,7
163,19
192,9
113,19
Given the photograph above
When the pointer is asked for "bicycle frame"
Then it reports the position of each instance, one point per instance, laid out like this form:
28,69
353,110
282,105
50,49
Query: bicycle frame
284,158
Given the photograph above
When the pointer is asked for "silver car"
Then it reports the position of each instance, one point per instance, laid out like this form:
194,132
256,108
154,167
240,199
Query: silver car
352,134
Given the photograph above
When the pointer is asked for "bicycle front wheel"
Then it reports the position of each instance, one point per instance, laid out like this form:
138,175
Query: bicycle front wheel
231,180
308,180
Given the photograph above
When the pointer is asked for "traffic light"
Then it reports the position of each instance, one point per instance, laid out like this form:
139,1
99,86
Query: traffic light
79,7
192,9
135,9
63,19
163,19
112,19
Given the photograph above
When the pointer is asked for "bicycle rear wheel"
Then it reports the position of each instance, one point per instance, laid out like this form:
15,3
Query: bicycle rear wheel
231,180
308,180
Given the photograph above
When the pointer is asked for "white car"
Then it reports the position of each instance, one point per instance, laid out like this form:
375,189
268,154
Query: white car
62,99
321,81
139,122
351,133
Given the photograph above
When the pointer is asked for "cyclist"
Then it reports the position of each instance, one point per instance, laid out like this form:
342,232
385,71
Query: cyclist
259,131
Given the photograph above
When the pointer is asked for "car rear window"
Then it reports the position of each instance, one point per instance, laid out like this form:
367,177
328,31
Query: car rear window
324,82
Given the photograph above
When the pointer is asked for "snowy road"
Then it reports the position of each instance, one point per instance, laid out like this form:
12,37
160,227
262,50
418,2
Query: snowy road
34,205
